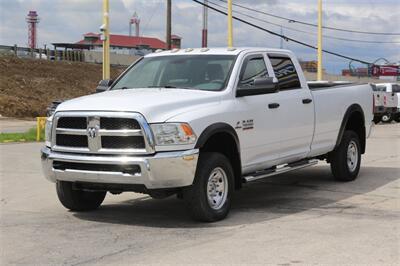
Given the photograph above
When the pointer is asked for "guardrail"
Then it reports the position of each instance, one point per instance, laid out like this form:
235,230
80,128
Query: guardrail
39,53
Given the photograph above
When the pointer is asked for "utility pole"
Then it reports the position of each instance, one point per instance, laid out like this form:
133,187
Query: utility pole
105,28
319,68
230,27
204,32
169,46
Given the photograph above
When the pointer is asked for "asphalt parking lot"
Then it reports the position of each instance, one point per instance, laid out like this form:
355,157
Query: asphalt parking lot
302,217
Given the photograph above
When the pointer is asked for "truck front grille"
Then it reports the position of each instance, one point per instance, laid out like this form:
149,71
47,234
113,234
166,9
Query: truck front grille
105,132
118,123
72,122
130,142
80,141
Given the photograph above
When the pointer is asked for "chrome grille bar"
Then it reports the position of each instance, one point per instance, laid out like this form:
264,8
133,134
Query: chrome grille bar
120,132
71,131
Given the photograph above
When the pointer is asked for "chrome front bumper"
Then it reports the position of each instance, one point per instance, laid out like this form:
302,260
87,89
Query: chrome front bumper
161,170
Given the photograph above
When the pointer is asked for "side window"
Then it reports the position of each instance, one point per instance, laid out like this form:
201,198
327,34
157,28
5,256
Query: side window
253,68
285,72
395,88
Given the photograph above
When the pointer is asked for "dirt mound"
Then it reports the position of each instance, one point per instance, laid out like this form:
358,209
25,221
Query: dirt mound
27,86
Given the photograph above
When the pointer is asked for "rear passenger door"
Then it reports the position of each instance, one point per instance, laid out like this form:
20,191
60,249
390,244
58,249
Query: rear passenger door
296,110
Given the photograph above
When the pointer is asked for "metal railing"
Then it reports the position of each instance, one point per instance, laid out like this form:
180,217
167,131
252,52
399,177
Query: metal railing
39,53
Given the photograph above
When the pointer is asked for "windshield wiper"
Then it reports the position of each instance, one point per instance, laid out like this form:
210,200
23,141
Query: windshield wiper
163,86
172,87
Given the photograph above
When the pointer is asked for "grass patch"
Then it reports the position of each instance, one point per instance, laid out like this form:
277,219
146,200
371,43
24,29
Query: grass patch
29,135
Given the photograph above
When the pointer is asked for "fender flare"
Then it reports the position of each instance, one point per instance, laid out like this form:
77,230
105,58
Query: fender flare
217,128
227,129
350,110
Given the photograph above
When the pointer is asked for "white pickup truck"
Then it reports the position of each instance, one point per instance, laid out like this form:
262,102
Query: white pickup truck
199,123
386,102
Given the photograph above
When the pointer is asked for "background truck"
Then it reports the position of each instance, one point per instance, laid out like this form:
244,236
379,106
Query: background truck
389,94
200,123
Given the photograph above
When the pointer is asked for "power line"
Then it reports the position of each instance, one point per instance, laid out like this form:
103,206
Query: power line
302,31
311,24
281,35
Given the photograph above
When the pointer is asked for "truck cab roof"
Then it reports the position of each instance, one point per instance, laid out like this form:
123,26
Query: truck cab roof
216,51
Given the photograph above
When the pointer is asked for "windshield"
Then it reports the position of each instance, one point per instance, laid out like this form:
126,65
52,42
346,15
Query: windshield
202,72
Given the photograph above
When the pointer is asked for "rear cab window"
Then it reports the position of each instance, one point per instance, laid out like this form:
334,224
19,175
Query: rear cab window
285,72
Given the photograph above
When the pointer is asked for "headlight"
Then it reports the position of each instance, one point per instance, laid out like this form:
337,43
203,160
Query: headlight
173,133
47,131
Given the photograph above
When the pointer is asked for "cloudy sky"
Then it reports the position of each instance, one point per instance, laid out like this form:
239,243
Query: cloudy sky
67,20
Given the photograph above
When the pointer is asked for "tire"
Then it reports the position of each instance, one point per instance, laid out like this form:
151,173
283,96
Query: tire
209,198
377,119
346,158
387,118
397,118
78,200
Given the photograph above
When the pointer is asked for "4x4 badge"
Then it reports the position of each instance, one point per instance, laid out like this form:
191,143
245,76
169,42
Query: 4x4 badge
245,124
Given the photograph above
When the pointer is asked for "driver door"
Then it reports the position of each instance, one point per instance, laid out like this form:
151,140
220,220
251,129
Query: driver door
257,123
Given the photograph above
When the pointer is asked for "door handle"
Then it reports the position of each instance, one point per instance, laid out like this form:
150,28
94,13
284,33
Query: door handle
273,105
307,100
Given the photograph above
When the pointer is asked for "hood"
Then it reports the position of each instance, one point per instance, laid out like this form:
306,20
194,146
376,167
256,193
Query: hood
156,104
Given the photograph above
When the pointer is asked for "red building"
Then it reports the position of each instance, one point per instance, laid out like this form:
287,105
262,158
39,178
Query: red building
128,42
121,44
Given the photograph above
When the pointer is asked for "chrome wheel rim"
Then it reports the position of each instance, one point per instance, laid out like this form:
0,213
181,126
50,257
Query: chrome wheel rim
385,118
352,156
217,188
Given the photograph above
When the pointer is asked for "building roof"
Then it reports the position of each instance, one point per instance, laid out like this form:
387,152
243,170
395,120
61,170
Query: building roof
126,41
91,34
173,36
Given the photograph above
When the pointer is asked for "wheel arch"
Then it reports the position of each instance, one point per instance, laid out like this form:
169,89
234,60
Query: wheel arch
222,137
353,119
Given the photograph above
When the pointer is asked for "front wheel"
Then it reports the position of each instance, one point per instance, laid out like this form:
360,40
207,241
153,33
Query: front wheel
346,158
78,200
209,198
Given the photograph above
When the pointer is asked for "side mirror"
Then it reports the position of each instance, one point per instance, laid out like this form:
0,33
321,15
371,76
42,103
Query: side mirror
104,85
259,86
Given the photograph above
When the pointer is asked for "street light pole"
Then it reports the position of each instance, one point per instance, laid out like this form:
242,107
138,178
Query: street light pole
168,37
106,40
319,68
204,32
230,27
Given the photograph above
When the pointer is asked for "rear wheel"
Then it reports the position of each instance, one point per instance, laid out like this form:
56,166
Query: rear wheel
397,118
377,119
209,198
387,118
346,158
78,200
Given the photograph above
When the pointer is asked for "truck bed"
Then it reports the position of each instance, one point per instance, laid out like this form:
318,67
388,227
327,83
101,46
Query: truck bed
315,85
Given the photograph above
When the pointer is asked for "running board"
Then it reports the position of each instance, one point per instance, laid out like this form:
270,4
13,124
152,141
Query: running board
279,170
